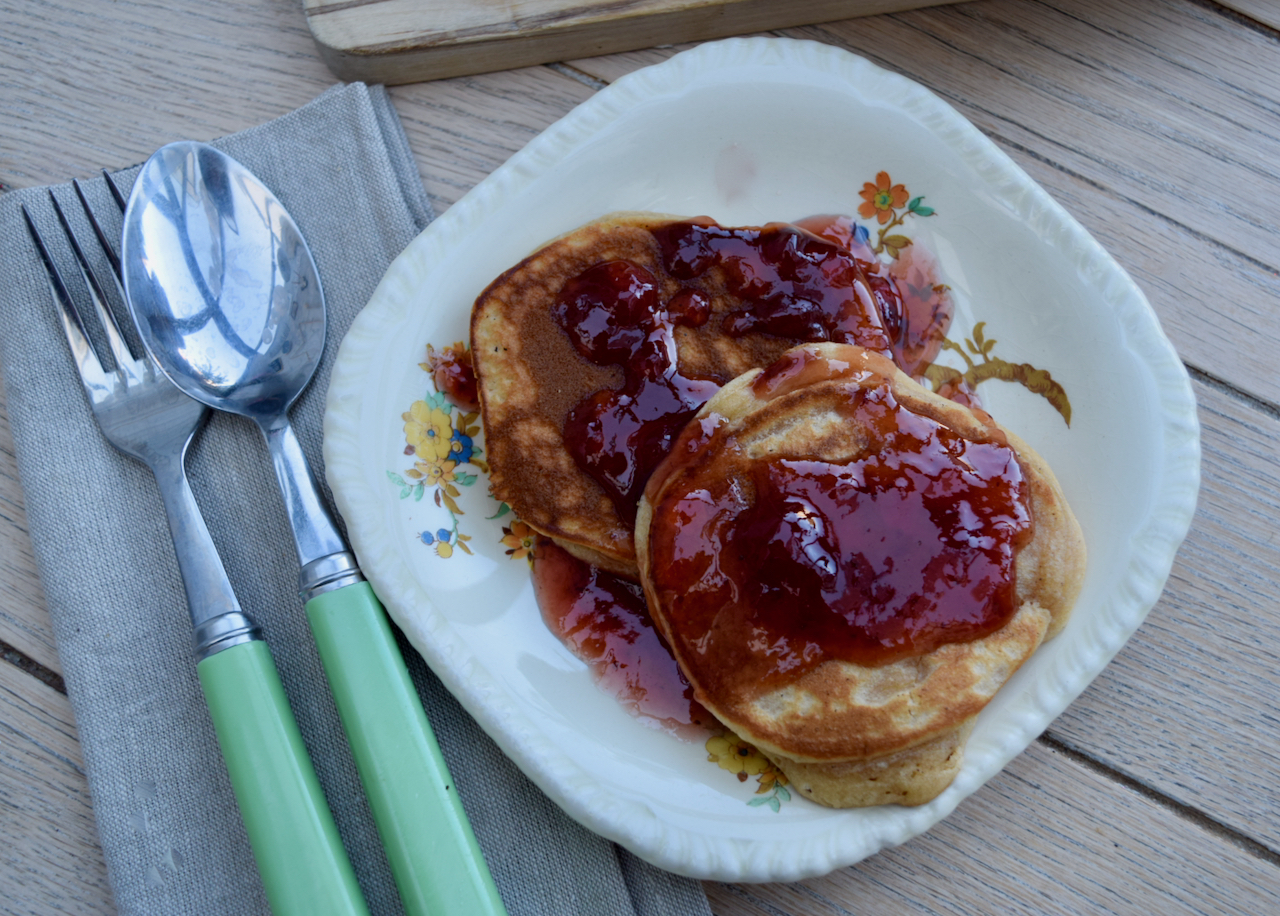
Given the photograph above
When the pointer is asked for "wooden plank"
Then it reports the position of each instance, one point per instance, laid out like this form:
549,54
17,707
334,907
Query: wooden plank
1158,113
405,41
48,841
1047,836
462,129
24,618
141,79
615,66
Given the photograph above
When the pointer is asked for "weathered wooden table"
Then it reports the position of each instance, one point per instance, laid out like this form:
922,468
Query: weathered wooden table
1155,122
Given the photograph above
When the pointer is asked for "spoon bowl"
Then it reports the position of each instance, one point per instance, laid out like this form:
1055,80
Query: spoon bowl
221,283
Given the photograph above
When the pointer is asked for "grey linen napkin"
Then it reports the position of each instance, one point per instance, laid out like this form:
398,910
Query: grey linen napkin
166,817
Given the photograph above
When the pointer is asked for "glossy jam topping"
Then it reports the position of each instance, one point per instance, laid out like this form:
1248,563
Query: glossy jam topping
794,284
613,314
819,591
768,567
604,621
817,280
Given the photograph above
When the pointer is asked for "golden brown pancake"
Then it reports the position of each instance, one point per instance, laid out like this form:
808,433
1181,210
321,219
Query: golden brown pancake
534,371
847,567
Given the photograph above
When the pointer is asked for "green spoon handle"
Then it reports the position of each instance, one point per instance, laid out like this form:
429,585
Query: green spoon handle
433,853
304,869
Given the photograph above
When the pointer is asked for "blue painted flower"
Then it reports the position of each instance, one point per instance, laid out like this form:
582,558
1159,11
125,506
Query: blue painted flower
460,447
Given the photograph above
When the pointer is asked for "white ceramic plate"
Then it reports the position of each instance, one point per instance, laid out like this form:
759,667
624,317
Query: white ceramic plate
749,131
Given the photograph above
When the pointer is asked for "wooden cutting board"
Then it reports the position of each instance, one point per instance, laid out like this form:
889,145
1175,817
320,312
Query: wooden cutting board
407,41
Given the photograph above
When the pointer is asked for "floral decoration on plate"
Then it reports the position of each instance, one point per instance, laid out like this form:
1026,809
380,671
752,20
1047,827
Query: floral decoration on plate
889,205
440,436
743,760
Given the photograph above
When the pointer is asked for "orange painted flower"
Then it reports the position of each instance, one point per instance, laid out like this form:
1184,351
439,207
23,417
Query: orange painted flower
519,540
882,198
770,779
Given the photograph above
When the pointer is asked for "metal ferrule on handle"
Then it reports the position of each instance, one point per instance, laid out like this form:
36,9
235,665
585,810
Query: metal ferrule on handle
223,632
338,570
216,617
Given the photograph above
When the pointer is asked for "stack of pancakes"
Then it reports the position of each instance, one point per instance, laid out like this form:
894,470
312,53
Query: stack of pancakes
862,728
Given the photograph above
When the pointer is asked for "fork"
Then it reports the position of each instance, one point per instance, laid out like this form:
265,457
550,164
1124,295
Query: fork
295,842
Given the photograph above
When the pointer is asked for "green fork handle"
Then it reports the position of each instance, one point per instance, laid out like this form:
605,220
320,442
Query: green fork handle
431,848
305,871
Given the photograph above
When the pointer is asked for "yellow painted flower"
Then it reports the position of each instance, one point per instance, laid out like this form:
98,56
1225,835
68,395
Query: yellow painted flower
429,430
882,198
736,756
435,472
519,540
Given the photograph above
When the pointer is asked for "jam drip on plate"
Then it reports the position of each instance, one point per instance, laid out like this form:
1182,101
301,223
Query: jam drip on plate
603,620
774,565
614,315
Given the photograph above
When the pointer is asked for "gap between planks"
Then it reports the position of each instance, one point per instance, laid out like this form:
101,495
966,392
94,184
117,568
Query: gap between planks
1263,15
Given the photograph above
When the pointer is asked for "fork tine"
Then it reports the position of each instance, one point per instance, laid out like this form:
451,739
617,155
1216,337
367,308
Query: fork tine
82,351
103,241
115,339
117,274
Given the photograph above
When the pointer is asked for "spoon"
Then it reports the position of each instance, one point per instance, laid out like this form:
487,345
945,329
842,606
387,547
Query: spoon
227,300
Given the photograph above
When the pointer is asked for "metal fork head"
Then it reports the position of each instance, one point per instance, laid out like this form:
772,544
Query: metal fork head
140,411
